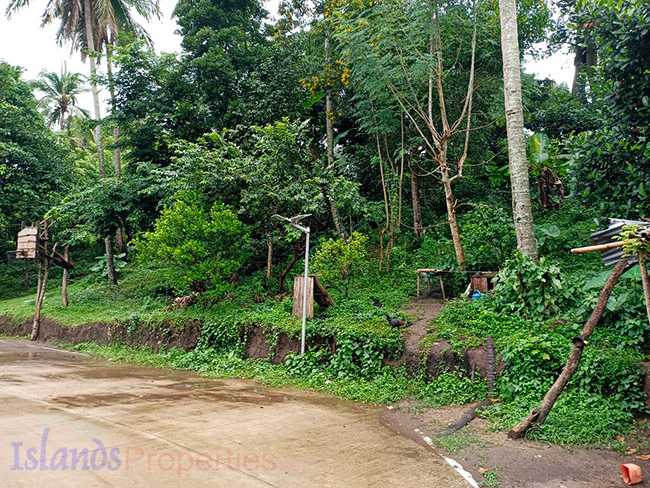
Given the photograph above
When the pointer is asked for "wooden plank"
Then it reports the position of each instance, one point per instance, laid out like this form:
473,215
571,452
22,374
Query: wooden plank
480,283
27,240
26,254
298,288
58,258
28,231
321,295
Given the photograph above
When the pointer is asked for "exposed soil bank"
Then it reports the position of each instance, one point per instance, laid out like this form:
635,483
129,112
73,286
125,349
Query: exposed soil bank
102,333
259,344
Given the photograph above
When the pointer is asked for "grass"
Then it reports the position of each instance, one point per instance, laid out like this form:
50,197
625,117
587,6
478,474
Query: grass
457,441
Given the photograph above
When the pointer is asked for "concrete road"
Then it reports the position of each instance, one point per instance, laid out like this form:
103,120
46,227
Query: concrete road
67,419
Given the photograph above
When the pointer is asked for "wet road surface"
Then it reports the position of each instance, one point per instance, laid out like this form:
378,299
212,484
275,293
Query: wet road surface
68,419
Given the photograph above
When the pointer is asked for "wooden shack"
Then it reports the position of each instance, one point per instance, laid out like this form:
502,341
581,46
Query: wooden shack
27,243
315,292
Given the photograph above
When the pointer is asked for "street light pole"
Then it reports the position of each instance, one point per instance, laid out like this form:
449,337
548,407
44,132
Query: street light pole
294,222
304,295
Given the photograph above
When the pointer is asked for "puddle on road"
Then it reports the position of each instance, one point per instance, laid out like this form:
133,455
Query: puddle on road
148,384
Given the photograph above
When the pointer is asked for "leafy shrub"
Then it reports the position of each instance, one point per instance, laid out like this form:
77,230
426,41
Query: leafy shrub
488,235
199,247
528,288
341,261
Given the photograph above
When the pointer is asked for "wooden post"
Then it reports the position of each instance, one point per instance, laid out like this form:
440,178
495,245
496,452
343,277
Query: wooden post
418,284
442,287
64,282
538,415
26,273
643,257
40,293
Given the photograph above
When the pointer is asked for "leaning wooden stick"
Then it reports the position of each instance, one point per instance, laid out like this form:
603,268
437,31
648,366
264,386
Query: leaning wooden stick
643,259
538,415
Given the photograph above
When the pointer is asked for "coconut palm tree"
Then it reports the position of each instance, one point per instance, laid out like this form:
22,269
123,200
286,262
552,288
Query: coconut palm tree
86,24
59,101
521,206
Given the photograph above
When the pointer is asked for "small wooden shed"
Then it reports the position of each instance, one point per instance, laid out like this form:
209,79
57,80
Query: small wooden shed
482,281
315,292
27,243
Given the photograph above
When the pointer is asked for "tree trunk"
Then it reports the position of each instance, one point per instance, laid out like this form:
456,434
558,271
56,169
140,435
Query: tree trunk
110,261
36,324
43,273
579,342
119,240
117,157
64,281
117,154
521,206
583,60
269,258
417,207
329,131
453,222
90,40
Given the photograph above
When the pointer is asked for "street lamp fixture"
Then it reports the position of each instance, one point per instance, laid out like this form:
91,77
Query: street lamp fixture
294,222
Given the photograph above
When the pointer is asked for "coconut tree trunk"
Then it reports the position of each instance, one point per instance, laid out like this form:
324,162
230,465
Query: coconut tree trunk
417,206
90,42
117,154
521,206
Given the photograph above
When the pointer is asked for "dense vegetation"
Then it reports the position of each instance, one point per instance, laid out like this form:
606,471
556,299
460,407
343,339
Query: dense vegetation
336,110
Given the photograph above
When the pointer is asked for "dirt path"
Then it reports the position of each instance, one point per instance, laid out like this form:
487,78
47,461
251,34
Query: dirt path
424,310
492,458
496,461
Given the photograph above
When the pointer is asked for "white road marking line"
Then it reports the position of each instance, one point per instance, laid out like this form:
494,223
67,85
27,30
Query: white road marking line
454,464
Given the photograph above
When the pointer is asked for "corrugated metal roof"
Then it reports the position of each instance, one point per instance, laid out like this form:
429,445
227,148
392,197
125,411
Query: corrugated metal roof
612,256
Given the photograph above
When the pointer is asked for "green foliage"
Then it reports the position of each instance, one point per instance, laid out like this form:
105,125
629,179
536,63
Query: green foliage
199,247
617,151
525,287
341,261
452,388
488,237
624,322
35,167
575,225
102,268
606,388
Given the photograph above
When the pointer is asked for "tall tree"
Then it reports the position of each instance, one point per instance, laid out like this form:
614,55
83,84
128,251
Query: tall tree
419,61
59,101
521,206
35,167
85,25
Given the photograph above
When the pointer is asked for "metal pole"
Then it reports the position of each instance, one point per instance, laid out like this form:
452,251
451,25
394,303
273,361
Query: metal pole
304,295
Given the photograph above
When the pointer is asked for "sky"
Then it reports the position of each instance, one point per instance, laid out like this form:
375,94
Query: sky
24,43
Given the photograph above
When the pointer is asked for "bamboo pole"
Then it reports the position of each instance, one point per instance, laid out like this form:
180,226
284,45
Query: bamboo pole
599,247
